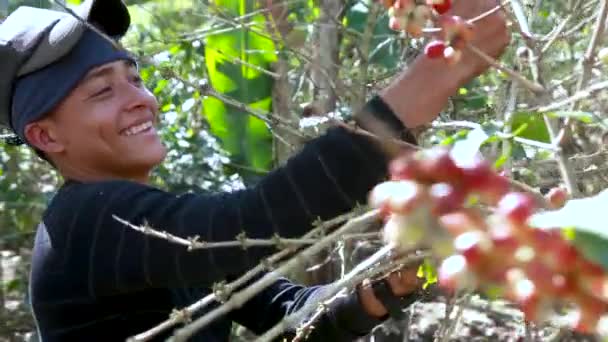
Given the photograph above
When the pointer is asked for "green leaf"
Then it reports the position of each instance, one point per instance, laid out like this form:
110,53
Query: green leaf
247,139
583,217
428,271
535,127
584,117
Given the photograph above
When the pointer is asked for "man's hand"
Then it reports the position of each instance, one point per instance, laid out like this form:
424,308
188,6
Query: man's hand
402,283
422,91
490,34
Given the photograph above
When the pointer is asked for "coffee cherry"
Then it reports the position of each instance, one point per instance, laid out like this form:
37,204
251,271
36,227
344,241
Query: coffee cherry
540,274
504,239
398,196
535,268
597,286
590,310
446,198
404,167
435,49
438,165
462,221
516,206
454,274
479,177
523,292
563,285
561,255
588,268
406,231
398,23
440,6
557,198
406,5
474,246
494,190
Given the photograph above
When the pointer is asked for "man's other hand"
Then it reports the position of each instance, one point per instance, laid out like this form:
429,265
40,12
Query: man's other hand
402,283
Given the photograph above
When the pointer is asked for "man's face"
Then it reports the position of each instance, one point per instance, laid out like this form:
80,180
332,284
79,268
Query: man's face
107,124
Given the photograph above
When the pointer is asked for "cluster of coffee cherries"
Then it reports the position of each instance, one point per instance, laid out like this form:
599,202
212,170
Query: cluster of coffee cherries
490,245
412,16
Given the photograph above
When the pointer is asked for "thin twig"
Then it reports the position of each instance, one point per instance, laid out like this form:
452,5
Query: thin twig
587,64
556,34
243,296
582,94
500,6
194,243
186,313
565,167
530,85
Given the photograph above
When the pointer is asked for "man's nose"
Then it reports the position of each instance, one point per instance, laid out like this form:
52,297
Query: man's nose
139,98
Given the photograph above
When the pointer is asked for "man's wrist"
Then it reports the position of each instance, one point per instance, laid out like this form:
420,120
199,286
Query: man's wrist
422,91
370,303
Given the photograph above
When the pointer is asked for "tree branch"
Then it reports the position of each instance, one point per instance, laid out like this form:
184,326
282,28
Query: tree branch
241,297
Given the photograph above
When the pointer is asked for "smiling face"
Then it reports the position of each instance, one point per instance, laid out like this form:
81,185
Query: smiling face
104,129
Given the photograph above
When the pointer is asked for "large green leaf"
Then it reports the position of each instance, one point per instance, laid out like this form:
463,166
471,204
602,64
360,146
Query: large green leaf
531,126
246,138
583,217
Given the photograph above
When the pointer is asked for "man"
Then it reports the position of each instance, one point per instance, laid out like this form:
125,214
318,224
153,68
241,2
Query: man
79,102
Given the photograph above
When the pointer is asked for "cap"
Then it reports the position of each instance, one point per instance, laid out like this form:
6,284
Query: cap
34,39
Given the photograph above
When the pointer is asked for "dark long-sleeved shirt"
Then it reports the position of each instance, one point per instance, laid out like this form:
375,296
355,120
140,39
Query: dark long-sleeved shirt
93,278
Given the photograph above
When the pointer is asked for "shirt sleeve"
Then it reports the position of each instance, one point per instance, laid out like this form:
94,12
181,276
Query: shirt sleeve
328,177
344,320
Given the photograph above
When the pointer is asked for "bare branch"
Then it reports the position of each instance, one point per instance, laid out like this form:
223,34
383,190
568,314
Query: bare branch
241,297
532,86
194,243
226,290
579,95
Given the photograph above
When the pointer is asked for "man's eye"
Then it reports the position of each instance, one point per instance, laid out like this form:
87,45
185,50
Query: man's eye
137,80
101,92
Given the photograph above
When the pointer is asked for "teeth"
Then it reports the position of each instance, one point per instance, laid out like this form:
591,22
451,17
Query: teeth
138,129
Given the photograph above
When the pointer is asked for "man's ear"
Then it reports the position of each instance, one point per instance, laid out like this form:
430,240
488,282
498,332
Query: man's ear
41,135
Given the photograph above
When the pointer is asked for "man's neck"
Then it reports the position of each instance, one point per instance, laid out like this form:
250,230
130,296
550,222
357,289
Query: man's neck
87,175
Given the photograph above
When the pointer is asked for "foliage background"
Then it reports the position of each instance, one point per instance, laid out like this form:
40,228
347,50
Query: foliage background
227,72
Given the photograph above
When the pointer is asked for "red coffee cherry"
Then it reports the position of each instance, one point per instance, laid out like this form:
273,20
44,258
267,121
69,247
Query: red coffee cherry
557,198
440,6
516,206
435,49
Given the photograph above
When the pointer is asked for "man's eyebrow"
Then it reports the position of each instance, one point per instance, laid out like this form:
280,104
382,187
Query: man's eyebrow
106,70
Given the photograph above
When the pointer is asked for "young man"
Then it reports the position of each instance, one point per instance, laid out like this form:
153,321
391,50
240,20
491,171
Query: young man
70,95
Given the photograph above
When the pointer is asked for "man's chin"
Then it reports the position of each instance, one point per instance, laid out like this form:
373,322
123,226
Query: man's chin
156,155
